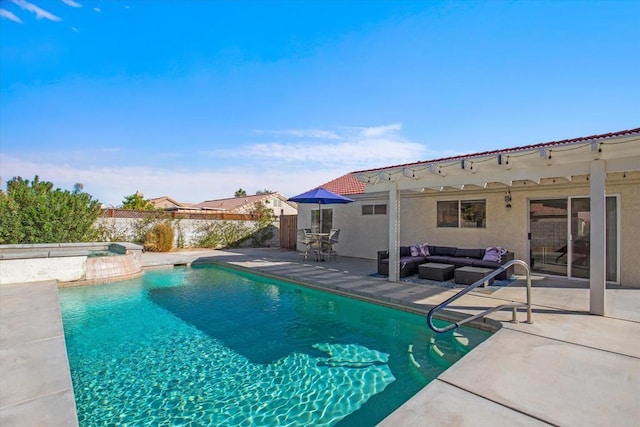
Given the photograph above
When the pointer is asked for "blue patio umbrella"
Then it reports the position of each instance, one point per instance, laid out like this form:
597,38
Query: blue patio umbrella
321,197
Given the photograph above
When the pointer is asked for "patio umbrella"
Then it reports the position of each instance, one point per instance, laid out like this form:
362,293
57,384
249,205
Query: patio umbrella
321,197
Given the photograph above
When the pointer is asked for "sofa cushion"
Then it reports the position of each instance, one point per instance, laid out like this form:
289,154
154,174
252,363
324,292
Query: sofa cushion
412,259
443,250
405,251
494,254
486,264
462,262
438,258
469,253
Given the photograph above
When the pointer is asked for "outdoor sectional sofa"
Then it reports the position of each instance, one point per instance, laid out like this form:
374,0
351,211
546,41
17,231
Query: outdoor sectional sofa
458,257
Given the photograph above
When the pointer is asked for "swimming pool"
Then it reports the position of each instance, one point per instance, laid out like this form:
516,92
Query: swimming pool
211,345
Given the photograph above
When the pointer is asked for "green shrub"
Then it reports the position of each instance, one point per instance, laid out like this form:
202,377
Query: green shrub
159,238
35,212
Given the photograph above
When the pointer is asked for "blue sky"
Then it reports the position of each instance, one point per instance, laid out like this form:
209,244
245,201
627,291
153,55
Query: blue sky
195,99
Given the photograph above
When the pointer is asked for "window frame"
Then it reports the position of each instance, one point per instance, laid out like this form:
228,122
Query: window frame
470,213
374,209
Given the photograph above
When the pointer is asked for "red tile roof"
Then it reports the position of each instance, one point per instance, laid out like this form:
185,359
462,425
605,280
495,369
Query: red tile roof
345,185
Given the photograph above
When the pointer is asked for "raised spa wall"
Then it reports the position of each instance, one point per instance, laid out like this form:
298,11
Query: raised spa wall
71,264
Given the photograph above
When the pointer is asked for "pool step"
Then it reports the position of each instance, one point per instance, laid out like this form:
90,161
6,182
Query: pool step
430,353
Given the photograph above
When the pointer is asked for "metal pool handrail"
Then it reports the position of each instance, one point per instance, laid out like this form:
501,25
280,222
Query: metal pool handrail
513,305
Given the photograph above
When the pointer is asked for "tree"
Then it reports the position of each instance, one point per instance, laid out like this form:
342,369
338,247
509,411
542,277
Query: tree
240,193
33,212
137,202
263,192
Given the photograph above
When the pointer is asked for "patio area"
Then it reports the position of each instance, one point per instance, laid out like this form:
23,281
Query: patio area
568,368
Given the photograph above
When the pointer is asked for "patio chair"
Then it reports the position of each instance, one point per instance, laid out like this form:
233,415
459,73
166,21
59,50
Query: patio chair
332,239
307,241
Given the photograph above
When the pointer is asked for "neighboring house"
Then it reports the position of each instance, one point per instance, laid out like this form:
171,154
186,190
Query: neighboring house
568,208
169,204
275,201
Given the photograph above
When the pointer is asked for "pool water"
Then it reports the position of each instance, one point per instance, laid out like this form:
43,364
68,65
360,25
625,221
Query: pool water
211,345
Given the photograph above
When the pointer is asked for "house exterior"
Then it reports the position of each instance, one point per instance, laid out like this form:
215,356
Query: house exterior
568,208
247,204
240,205
169,204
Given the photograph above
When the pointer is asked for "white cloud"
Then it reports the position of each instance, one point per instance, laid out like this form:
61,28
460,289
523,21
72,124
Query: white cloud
97,9
10,16
110,185
40,13
302,133
355,148
71,3
289,167
372,132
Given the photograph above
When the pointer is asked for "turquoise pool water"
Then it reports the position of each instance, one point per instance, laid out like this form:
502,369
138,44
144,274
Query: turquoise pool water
215,346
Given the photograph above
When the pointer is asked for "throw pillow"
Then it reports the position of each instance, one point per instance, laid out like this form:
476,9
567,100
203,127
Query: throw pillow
494,254
415,250
424,249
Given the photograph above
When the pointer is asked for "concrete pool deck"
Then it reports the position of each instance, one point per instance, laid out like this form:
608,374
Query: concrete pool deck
568,368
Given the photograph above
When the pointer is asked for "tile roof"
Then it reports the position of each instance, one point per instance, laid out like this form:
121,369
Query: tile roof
345,185
157,200
233,203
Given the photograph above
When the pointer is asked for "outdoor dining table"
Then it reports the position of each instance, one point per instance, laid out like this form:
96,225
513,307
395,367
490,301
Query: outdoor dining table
318,238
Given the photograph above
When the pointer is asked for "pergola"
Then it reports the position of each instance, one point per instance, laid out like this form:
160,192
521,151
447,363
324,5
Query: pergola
593,156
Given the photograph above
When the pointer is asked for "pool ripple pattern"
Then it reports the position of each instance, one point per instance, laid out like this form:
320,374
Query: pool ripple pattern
176,375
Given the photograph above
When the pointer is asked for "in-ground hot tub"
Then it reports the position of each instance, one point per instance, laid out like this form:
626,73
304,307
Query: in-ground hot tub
71,264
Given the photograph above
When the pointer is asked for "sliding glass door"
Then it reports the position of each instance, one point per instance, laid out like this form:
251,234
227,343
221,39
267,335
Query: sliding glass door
548,236
560,241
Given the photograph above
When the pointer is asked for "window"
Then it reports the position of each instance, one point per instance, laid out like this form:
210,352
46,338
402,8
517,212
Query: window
462,214
448,214
327,220
374,209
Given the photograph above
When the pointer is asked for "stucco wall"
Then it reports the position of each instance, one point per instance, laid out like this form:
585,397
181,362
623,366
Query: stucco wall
69,262
65,269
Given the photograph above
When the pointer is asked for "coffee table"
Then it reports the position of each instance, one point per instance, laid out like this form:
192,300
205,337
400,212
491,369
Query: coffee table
436,271
470,275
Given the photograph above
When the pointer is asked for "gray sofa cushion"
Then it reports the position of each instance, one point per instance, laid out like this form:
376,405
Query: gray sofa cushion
487,264
469,253
462,262
442,250
416,259
438,258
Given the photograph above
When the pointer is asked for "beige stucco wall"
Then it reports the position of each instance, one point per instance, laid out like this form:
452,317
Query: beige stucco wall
363,235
